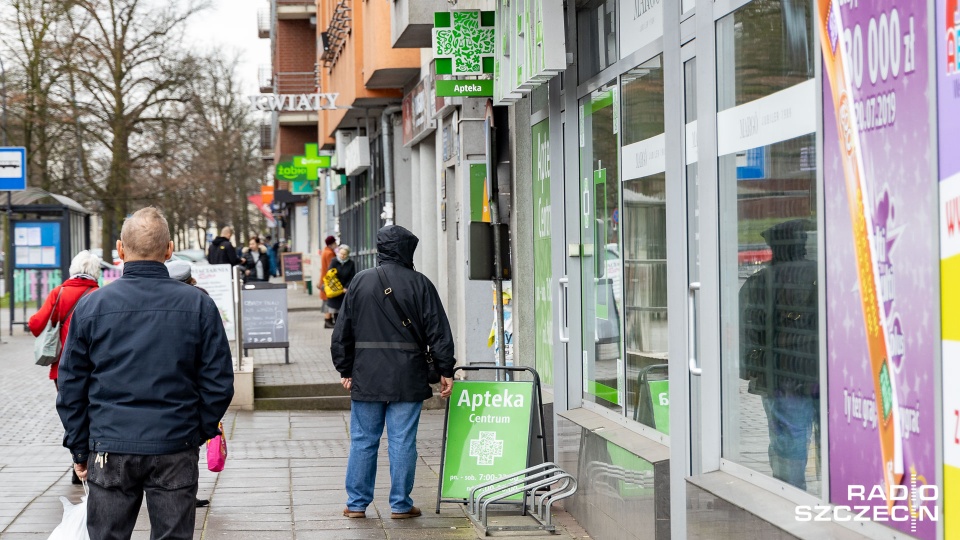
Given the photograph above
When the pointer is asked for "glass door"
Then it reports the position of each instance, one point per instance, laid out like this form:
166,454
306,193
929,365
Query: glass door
600,248
691,183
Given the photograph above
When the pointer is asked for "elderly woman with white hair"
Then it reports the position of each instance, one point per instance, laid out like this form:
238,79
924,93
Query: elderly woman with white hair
84,273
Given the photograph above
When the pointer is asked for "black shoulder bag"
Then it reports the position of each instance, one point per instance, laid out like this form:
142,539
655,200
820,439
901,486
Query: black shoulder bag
433,374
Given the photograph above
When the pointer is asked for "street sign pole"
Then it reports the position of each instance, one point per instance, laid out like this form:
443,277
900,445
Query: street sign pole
13,177
493,193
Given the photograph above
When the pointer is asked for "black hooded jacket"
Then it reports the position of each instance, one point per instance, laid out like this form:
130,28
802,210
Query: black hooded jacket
369,343
222,252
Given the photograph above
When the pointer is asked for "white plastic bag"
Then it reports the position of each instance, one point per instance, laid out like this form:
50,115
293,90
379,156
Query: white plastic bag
73,526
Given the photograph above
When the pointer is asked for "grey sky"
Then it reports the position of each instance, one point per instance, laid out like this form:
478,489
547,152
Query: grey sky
232,26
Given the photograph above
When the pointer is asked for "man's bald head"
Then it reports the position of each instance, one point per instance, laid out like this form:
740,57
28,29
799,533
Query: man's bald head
145,236
226,232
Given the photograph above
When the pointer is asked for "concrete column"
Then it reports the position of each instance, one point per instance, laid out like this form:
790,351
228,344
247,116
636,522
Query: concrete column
415,204
430,211
522,226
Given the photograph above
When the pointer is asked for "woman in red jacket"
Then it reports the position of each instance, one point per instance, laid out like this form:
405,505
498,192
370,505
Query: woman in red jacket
84,273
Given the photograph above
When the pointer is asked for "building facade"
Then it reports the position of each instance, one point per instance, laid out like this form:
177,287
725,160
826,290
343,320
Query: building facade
731,240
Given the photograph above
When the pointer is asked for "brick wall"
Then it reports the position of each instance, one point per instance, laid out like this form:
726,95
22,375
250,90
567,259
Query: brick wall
296,52
291,139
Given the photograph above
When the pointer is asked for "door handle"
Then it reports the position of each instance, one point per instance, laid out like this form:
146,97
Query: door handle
585,199
563,284
695,369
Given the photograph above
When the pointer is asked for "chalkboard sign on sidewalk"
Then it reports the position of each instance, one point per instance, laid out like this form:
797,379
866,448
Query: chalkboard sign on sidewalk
292,266
264,317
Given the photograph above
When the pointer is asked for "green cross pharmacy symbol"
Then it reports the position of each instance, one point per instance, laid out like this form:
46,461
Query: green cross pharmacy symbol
486,447
312,161
463,42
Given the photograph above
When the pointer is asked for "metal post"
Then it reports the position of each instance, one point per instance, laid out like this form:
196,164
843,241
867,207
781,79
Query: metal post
386,139
8,260
493,192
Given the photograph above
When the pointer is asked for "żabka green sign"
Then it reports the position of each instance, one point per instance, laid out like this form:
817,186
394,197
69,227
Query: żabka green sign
305,167
470,88
289,172
488,434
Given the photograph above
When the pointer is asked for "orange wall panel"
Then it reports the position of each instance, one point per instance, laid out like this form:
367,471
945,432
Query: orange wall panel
378,47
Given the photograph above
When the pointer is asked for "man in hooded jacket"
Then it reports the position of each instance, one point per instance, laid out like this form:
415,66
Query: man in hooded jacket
386,372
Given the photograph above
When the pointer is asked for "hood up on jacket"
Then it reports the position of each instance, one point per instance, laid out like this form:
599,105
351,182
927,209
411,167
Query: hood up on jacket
396,245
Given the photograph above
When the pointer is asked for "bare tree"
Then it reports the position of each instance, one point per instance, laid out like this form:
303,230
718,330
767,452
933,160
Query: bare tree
43,45
129,65
230,142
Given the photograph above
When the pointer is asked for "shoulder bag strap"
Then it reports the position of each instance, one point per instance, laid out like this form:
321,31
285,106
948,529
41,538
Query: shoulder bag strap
74,306
404,320
56,306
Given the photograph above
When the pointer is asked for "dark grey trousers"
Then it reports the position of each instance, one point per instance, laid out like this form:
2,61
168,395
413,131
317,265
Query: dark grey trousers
117,484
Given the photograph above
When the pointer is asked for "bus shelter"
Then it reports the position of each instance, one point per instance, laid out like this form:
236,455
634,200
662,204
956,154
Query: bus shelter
46,231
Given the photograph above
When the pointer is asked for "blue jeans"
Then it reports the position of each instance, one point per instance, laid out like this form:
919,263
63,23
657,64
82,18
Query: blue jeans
367,419
790,420
117,486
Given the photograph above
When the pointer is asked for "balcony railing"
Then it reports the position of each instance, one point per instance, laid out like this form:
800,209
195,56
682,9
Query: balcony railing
266,137
263,23
265,78
334,39
297,82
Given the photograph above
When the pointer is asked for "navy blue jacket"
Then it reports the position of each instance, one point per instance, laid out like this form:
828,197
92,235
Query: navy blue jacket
146,368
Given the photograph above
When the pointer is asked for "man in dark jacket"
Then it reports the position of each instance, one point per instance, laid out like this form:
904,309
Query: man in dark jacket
222,251
779,347
145,378
386,372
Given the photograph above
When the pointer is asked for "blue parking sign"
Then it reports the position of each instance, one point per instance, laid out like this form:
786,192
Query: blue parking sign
13,168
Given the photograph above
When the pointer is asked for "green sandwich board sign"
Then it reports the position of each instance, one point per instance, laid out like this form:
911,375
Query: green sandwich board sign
488,434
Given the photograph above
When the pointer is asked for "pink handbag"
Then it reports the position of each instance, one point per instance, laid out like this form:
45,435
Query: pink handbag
217,452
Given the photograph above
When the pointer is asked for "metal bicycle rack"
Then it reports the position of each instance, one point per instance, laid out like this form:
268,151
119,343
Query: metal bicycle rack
537,484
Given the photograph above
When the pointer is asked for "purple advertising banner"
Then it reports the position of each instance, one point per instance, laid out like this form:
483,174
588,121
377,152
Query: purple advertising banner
948,82
885,45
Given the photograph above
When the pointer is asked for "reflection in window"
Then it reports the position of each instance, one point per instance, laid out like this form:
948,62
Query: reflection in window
596,37
600,263
644,245
769,264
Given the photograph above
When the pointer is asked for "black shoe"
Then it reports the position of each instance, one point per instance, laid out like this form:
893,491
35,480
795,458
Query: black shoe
202,502
328,323
75,480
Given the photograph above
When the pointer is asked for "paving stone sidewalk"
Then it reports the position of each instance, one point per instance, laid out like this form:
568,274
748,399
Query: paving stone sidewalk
310,360
284,475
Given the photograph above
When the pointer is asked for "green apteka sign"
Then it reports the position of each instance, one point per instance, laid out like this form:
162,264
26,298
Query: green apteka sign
488,434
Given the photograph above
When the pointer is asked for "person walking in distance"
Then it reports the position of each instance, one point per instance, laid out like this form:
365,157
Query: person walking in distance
345,269
384,368
145,378
222,251
327,256
256,265
60,303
